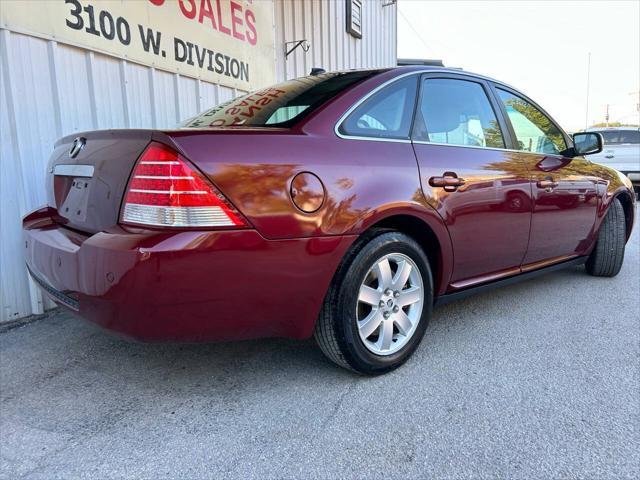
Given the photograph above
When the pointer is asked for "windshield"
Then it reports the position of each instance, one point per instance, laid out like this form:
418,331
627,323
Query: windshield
280,105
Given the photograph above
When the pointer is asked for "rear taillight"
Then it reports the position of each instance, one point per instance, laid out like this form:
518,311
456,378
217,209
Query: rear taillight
166,191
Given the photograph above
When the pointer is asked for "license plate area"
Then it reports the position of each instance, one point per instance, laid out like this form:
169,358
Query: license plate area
71,185
76,202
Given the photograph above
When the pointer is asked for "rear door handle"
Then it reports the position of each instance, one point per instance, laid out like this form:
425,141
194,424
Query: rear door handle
449,181
609,156
548,185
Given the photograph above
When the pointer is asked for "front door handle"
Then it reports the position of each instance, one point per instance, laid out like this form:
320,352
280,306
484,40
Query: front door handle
609,156
547,185
449,181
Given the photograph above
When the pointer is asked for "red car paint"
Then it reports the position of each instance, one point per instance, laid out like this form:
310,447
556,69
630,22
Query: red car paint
270,278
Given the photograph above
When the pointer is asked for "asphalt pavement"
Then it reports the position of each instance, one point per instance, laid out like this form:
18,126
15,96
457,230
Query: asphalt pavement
535,380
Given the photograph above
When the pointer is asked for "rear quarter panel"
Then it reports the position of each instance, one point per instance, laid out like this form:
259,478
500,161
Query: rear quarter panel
364,182
255,172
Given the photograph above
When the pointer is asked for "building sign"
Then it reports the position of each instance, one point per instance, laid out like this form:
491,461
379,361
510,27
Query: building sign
225,41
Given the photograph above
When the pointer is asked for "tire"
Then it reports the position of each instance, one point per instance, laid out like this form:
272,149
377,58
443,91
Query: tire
517,202
342,323
608,254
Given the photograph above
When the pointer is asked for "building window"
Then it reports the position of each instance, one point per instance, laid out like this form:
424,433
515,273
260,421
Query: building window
354,18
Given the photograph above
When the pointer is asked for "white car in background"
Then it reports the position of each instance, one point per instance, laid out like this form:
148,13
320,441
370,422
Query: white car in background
621,151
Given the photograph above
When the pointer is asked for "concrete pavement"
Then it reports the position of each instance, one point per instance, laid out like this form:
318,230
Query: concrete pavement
536,380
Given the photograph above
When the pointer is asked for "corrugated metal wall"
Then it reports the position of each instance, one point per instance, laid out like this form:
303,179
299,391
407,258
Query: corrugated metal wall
48,90
323,24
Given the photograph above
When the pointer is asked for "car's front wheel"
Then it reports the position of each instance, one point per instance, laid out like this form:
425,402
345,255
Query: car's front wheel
378,306
607,256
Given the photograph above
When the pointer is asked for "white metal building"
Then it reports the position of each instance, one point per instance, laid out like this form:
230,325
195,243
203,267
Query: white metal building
55,81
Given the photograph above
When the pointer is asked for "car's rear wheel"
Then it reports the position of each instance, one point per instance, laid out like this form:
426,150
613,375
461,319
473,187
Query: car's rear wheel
378,306
608,254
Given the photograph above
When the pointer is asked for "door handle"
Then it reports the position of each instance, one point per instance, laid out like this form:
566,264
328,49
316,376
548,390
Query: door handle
609,156
548,184
449,181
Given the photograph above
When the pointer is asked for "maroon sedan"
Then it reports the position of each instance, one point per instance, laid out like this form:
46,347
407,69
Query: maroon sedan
340,205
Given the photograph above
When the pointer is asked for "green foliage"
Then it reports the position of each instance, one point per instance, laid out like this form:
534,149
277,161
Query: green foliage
540,120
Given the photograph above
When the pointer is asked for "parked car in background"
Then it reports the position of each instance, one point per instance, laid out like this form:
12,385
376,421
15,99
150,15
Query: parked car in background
343,205
621,151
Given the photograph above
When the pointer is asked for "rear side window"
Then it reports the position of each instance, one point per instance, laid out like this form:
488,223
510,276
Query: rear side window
617,137
280,105
456,112
611,137
535,132
630,136
386,114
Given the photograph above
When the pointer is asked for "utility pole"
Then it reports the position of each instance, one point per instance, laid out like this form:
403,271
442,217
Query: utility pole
637,104
586,110
606,116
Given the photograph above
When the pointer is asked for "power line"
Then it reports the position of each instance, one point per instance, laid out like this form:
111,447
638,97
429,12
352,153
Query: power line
415,31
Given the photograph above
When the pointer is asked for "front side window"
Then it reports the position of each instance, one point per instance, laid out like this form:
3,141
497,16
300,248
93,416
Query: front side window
280,105
535,132
456,112
386,114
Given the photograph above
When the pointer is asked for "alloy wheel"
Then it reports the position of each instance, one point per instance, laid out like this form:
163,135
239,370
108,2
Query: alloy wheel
389,304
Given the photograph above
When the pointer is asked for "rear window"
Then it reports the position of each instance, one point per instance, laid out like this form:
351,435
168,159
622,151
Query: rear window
280,105
617,137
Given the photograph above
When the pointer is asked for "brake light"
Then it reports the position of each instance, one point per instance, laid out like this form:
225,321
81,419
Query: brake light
166,191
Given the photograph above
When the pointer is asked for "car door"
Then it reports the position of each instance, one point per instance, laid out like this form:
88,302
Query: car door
481,190
564,193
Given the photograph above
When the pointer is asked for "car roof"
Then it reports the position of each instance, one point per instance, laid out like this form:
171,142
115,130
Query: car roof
435,69
404,69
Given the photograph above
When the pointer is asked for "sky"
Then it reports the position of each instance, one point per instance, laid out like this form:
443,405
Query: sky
539,47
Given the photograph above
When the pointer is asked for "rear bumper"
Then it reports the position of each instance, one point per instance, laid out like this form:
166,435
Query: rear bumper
184,286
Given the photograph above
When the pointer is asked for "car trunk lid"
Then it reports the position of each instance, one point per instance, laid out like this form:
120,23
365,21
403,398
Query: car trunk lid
625,157
88,174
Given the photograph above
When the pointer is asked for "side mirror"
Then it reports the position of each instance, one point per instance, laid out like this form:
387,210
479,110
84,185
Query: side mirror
587,143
